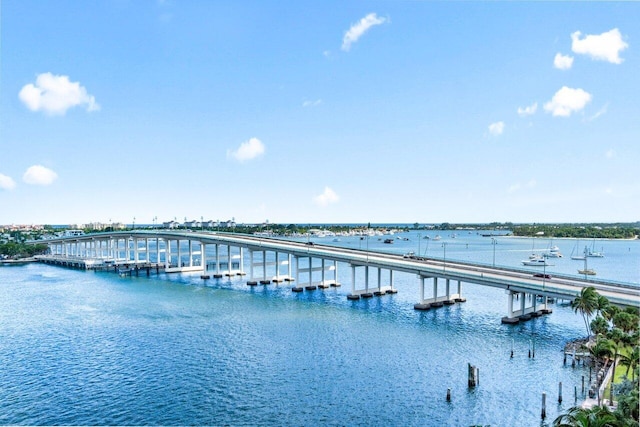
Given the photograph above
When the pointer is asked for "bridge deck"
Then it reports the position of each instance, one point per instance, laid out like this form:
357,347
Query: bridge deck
564,287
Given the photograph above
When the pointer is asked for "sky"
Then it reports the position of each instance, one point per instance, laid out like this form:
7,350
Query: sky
319,111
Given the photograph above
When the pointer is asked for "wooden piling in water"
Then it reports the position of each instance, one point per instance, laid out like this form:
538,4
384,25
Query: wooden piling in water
544,405
472,372
533,349
560,392
448,395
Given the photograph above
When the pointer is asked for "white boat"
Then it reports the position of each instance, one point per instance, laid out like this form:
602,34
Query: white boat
575,254
591,252
437,237
535,261
554,252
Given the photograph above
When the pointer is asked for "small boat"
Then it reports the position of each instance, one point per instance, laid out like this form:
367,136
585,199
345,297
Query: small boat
536,261
576,255
437,237
591,252
587,271
554,252
388,241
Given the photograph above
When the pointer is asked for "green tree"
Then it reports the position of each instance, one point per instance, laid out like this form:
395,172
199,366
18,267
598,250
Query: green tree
609,311
597,416
601,304
628,404
586,303
617,338
631,360
625,321
599,326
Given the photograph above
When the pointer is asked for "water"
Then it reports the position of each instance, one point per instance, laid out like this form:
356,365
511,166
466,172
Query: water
83,348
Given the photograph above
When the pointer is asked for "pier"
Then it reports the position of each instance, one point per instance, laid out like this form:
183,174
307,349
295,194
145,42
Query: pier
311,267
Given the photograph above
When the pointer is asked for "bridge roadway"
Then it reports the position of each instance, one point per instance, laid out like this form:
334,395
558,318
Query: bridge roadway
514,280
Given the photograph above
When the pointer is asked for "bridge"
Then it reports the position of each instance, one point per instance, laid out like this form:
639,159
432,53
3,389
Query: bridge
185,251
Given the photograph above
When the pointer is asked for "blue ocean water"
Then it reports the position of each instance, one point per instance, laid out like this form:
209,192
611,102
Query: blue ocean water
84,348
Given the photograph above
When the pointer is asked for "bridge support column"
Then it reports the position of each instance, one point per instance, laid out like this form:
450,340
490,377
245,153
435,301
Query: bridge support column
322,284
436,301
310,286
353,295
264,265
423,304
391,290
459,297
218,275
277,277
297,288
251,281
366,293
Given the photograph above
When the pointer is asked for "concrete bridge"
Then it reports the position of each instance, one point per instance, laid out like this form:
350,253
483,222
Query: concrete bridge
313,266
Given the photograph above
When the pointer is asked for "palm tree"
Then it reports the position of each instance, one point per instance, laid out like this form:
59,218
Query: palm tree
597,416
625,321
602,303
609,311
586,303
631,361
599,326
601,350
617,338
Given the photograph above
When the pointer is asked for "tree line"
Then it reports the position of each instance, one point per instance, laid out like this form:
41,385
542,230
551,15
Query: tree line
21,250
614,338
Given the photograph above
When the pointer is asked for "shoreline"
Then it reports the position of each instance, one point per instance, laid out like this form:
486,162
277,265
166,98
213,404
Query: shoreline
573,238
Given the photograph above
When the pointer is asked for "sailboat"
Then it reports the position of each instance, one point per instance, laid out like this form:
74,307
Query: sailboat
591,252
575,254
587,271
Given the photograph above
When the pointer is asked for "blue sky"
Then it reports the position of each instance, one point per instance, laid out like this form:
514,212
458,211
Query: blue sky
319,111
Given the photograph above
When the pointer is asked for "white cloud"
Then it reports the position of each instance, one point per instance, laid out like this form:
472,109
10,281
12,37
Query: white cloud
312,103
514,187
357,30
528,111
55,95
327,197
567,101
562,62
247,150
518,186
39,175
603,47
599,113
496,128
6,182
